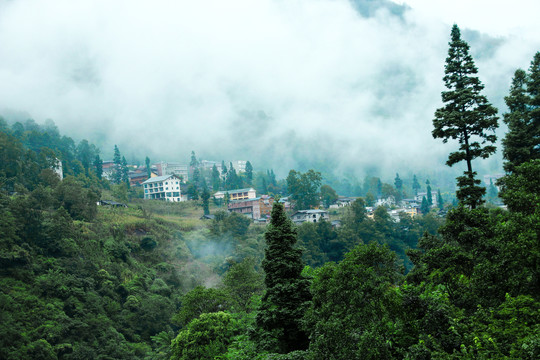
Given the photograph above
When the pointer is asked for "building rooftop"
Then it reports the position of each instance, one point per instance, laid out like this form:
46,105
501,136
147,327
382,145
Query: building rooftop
235,191
160,178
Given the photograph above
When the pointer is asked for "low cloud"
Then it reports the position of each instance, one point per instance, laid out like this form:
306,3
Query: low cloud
284,84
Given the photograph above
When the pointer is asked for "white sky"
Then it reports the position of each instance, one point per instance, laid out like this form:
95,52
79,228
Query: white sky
282,83
495,17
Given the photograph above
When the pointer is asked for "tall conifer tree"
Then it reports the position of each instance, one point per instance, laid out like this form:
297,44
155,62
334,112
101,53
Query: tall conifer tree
522,141
117,159
287,293
466,116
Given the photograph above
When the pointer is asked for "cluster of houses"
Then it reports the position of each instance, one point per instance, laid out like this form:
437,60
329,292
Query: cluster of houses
258,208
166,179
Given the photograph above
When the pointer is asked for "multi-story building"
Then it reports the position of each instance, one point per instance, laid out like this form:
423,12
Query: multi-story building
313,216
253,208
163,188
171,168
237,194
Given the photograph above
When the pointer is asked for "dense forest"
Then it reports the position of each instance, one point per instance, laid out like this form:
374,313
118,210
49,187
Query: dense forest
153,280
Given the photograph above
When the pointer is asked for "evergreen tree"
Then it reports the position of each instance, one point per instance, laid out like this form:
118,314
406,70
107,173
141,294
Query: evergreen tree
440,201
398,183
117,159
522,140
466,116
264,186
223,169
148,170
84,155
424,207
287,291
196,177
249,173
216,180
205,196
429,196
272,176
193,162
125,172
98,165
232,180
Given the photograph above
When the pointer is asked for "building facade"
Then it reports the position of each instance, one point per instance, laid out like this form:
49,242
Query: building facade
166,188
255,208
313,216
238,194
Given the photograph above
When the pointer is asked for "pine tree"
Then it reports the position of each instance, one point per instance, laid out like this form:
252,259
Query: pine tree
424,207
429,196
398,183
125,172
522,141
193,162
440,201
216,180
205,196
117,159
466,116
148,170
287,293
223,169
249,173
98,164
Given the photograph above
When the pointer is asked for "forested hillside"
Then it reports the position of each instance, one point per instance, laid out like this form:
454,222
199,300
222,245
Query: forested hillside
153,280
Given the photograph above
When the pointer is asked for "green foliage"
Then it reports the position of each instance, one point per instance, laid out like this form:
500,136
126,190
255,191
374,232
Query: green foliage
205,197
205,338
424,206
201,300
328,195
80,202
363,281
521,142
304,188
287,295
242,281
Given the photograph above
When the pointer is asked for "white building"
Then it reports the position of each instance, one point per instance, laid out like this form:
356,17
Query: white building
310,216
163,188
237,194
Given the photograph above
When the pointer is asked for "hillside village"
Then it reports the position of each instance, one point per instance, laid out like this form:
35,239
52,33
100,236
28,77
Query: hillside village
170,181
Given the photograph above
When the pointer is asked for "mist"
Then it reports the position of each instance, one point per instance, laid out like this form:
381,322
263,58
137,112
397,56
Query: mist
284,84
